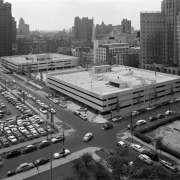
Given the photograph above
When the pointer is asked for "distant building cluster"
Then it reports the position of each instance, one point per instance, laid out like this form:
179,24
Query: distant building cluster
23,28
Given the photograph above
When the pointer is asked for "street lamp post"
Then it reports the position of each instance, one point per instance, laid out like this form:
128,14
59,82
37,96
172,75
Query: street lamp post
169,105
111,112
131,128
51,143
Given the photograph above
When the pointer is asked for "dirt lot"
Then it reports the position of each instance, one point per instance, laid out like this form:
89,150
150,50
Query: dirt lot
170,134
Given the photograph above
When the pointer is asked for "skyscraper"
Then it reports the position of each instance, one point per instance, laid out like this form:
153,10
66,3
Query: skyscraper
126,26
23,28
159,35
83,29
5,29
13,30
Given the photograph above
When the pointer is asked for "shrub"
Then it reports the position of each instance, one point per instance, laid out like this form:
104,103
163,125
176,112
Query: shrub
142,137
169,151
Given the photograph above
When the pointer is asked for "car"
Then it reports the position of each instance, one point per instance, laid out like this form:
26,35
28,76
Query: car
149,108
22,129
88,136
44,111
41,161
145,159
134,113
168,112
143,110
172,101
61,154
63,105
82,109
137,147
160,116
28,148
14,130
48,129
34,133
107,126
38,101
8,112
42,104
177,99
30,127
4,141
28,135
57,139
116,119
36,126
140,122
11,173
152,118
113,151
24,167
43,144
12,153
12,139
121,143
42,131
29,96
165,103
77,113
8,132
169,165
26,111
2,105
20,137
83,116
52,111
152,154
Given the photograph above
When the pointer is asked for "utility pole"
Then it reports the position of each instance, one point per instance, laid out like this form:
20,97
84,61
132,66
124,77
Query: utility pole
51,143
63,142
111,112
131,128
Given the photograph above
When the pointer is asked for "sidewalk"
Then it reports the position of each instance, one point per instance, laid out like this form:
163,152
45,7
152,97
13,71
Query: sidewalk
149,146
55,163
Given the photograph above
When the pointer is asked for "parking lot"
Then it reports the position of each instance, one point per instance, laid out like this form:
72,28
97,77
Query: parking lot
18,122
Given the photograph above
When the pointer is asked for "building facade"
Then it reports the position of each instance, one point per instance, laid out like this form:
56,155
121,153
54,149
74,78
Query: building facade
13,30
5,29
178,38
23,28
126,26
159,37
83,29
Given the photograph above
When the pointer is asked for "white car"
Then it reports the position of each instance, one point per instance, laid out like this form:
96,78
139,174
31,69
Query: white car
34,133
42,104
22,129
116,119
137,147
167,113
134,113
149,108
121,143
145,158
38,101
57,139
44,111
63,105
52,110
24,167
12,139
61,154
87,137
83,116
140,122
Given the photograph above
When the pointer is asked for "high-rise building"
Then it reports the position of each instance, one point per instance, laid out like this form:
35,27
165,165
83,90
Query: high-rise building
13,30
5,29
126,26
83,29
178,38
23,28
159,37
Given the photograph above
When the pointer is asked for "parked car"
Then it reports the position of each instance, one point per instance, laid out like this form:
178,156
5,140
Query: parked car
160,116
48,129
145,159
28,148
12,139
152,154
8,112
149,108
12,153
20,137
4,141
88,136
63,105
41,161
44,111
77,113
152,118
24,167
83,116
52,111
34,133
107,126
134,113
82,109
42,131
121,143
140,122
137,147
116,119
168,112
61,154
43,144
11,173
57,139
169,165
28,135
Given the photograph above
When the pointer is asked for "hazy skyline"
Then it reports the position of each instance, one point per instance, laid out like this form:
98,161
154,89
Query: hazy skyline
60,14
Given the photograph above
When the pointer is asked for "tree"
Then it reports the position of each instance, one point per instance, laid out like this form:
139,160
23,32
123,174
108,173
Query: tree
77,165
99,164
86,158
69,178
100,174
158,143
83,174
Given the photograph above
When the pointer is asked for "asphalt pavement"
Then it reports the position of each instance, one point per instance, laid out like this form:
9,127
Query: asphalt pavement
102,139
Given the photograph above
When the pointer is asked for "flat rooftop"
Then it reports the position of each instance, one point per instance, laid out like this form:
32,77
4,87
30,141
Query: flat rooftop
98,83
22,58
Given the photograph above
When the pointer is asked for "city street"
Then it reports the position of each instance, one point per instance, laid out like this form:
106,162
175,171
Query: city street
103,139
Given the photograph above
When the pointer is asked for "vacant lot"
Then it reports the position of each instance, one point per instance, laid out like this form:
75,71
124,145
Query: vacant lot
170,134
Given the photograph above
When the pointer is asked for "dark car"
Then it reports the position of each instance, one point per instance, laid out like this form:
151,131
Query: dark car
169,165
8,112
12,154
43,144
159,116
28,135
41,161
28,148
166,103
152,154
19,136
10,173
142,110
4,141
152,118
107,126
157,105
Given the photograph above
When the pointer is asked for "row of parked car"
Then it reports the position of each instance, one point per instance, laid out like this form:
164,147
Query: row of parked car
147,156
59,102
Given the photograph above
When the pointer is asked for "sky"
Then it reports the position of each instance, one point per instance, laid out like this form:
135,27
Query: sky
60,14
